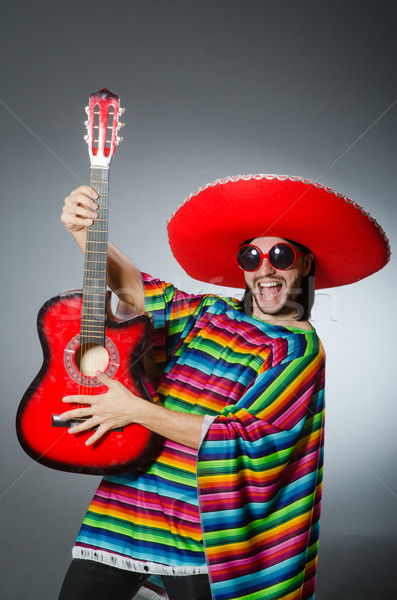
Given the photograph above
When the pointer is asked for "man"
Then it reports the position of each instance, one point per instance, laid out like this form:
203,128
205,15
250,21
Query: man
235,488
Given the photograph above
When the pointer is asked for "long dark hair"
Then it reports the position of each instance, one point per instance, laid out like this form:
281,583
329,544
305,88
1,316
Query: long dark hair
305,299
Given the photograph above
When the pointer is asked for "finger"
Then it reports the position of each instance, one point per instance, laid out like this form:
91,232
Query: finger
71,220
78,413
76,210
80,200
86,190
85,425
80,399
100,432
105,379
77,215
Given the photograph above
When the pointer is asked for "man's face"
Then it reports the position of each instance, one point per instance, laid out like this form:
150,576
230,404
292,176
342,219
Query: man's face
274,291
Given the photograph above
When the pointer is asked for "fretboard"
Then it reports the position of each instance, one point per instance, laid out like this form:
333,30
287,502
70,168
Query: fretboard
93,313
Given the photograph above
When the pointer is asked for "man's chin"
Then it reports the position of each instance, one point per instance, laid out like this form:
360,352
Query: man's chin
266,307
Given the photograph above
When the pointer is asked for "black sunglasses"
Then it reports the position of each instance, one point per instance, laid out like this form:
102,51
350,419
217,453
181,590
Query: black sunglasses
281,256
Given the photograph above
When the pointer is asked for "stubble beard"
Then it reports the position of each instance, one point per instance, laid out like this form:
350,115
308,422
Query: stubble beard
288,305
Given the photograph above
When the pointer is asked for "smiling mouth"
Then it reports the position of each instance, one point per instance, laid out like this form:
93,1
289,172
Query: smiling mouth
269,290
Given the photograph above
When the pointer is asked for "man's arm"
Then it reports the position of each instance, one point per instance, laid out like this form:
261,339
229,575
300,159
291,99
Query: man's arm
124,278
120,407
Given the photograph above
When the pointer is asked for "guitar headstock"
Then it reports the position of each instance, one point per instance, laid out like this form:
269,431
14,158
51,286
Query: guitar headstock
103,127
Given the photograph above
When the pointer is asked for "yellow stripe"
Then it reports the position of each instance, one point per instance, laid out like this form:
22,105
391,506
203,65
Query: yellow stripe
290,389
147,522
250,474
233,547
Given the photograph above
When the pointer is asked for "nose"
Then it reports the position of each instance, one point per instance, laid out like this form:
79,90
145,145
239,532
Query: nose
266,268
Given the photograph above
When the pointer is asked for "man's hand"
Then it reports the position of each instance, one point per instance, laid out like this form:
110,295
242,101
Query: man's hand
118,407
79,209
124,278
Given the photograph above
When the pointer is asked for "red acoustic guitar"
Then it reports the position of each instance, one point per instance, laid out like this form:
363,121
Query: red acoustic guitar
78,337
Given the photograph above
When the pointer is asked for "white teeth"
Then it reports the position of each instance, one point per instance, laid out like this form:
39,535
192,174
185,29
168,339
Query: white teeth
270,284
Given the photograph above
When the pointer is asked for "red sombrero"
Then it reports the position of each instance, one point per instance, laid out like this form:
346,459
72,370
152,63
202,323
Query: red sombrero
208,227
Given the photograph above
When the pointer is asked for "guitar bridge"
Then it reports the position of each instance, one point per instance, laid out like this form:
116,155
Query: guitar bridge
68,423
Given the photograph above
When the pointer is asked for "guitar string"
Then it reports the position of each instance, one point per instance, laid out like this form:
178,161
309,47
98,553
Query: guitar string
93,315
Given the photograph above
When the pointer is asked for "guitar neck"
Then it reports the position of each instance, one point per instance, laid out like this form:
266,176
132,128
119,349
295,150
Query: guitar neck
93,315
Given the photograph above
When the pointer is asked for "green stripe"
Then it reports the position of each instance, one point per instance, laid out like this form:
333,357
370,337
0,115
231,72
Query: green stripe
277,518
141,533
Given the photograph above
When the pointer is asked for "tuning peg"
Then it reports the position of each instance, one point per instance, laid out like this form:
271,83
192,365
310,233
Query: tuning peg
121,111
86,138
87,109
120,125
118,140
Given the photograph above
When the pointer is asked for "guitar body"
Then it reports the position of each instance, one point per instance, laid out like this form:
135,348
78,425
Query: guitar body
41,434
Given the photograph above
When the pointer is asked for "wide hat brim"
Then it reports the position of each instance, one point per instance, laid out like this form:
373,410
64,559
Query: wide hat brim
209,226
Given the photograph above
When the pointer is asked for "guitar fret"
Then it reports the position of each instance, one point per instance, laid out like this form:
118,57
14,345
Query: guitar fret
92,294
92,336
95,287
87,333
90,304
91,323
88,319
93,312
93,319
90,309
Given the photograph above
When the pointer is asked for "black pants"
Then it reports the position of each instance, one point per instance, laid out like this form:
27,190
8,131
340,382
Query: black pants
90,580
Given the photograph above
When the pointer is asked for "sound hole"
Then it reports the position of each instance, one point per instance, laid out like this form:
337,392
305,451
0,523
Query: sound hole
82,361
90,358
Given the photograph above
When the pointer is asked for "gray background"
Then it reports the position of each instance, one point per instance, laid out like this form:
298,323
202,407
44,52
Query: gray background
212,88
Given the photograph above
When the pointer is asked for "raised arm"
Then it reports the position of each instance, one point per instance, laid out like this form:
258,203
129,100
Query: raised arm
79,212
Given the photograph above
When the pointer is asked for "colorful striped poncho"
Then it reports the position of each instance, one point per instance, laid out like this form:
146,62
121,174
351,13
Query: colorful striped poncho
254,523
